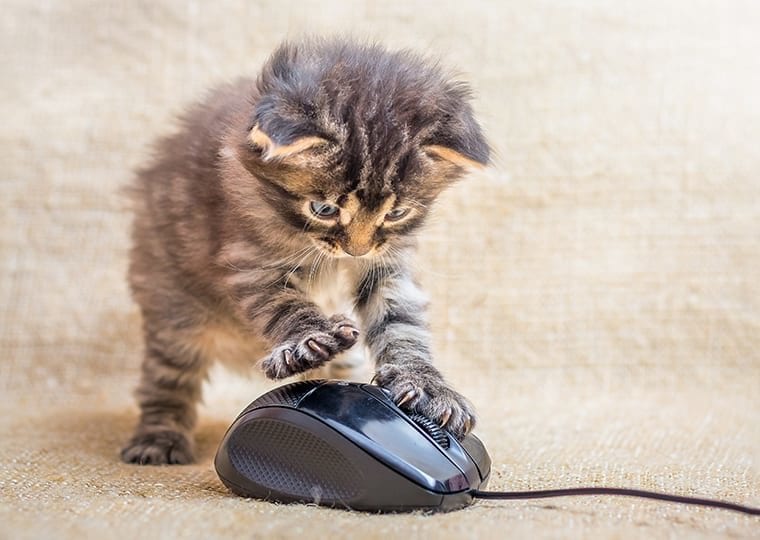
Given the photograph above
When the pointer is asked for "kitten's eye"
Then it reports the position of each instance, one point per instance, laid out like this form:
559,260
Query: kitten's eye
323,210
396,214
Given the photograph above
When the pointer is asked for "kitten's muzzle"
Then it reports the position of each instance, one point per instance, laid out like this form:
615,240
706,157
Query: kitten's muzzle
356,251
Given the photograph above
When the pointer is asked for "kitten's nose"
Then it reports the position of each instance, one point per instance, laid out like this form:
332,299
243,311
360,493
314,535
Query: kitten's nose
359,237
357,250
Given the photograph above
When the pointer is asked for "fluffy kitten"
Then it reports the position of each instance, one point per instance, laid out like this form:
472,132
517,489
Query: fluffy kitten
278,223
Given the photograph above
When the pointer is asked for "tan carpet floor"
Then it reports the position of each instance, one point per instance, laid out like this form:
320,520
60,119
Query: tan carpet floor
596,293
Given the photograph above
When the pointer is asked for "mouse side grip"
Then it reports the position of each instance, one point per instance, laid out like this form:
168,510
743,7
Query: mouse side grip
281,454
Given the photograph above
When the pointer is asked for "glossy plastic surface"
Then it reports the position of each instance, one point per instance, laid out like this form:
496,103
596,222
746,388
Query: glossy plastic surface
398,464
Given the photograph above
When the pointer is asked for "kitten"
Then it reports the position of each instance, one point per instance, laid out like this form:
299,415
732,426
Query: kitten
279,222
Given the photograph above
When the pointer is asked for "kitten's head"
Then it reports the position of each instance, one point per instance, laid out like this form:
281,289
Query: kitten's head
355,142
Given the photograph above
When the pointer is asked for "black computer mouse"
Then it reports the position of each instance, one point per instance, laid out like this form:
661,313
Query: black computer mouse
348,445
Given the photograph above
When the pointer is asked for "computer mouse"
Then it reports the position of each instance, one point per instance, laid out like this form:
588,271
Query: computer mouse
348,445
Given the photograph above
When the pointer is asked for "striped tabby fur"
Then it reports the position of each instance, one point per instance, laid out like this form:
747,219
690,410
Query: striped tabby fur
230,262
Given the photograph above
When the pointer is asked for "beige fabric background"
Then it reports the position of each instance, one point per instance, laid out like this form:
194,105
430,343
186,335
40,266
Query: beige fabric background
596,293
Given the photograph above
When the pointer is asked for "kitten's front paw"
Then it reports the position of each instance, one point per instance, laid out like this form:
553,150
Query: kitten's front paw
311,351
420,388
164,447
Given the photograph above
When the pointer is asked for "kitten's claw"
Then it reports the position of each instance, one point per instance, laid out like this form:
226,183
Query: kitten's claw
410,395
420,388
321,351
446,417
311,351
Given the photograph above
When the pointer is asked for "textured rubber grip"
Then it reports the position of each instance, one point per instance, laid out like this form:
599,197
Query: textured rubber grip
289,460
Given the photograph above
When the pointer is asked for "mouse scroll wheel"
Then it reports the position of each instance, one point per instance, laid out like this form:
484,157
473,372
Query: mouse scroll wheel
431,428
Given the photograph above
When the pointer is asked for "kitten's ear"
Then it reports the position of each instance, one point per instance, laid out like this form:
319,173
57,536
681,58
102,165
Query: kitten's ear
455,157
272,150
459,139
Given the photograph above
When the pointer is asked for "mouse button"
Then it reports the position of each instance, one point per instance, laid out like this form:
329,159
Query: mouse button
288,395
464,461
347,404
379,392
478,453
387,435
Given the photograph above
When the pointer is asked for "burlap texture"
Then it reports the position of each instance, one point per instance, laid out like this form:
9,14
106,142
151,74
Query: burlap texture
596,293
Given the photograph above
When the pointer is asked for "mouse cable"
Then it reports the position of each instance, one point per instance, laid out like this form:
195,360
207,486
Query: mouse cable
542,494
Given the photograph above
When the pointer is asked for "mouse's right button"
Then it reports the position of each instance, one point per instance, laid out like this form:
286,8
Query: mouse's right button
462,459
479,456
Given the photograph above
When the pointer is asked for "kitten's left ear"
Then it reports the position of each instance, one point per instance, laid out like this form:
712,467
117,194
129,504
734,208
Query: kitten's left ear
272,150
452,156
460,141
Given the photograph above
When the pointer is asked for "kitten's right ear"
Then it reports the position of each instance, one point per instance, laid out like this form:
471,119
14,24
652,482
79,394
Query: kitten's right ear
271,150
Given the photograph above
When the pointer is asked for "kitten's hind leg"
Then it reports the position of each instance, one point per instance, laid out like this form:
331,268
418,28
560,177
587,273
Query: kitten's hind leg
170,387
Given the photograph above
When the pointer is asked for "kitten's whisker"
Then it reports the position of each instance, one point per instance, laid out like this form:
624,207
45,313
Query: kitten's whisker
394,254
286,261
297,266
375,273
297,259
311,269
372,276
395,261
314,271
253,264
389,261
368,276
366,267
228,264
307,226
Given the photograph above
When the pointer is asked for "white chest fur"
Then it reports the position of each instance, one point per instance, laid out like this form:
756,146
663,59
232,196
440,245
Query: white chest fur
333,287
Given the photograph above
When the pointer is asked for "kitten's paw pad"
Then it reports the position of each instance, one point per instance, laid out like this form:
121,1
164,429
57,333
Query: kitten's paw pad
345,331
424,393
158,448
312,351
